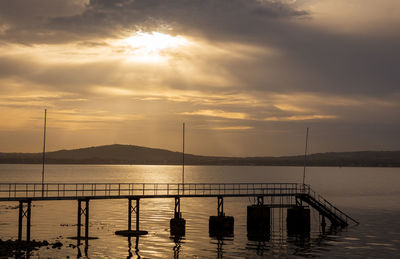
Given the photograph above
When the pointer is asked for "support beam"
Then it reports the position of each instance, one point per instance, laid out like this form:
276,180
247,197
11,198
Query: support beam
132,209
83,212
137,214
220,206
260,200
87,222
129,214
177,209
20,212
78,234
28,221
27,214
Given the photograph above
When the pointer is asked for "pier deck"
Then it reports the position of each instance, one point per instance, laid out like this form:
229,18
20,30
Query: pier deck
89,191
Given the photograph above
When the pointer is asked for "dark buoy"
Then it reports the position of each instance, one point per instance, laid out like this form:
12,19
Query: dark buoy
177,227
258,222
177,224
298,220
221,226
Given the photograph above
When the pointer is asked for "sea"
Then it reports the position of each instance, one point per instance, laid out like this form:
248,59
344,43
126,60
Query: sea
370,195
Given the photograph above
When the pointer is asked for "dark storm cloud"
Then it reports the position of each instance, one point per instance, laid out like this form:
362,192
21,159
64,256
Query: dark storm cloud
310,58
37,20
25,21
313,59
321,62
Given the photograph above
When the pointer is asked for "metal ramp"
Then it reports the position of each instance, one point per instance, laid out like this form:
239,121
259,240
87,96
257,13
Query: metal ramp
325,208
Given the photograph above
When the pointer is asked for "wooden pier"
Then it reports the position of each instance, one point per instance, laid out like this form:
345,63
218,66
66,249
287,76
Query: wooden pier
298,199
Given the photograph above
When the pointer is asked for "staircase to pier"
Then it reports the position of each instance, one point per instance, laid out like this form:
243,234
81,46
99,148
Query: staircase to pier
325,208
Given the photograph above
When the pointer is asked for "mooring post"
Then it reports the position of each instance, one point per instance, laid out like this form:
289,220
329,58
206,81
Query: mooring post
28,221
21,204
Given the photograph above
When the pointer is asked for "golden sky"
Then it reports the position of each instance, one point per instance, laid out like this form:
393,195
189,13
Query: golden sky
246,76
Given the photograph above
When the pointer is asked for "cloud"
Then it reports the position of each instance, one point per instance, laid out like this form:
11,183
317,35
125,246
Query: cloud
301,118
275,66
218,113
233,128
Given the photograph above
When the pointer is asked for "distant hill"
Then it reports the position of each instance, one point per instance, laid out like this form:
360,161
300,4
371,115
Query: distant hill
129,154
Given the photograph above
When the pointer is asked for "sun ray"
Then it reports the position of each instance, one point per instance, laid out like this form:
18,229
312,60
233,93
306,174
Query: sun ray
151,47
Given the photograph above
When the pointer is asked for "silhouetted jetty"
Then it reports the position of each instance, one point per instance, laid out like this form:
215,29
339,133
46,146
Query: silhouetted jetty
298,199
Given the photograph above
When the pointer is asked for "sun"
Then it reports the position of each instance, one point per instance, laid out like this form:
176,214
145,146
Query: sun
152,47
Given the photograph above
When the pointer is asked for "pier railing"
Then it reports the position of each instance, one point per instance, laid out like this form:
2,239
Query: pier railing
54,191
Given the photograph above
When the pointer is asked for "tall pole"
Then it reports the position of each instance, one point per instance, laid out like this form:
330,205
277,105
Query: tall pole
305,159
183,157
44,149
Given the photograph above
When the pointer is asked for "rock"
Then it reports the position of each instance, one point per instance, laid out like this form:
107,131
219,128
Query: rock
57,245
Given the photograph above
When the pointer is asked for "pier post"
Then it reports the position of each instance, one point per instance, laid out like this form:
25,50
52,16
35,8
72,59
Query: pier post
28,221
323,224
78,234
85,212
132,209
177,224
129,214
258,221
24,213
87,222
137,214
220,206
20,211
220,225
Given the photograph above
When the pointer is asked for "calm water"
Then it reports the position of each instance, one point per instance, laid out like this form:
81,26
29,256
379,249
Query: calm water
371,195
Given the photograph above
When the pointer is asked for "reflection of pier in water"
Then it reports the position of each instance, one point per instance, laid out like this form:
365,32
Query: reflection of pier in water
273,202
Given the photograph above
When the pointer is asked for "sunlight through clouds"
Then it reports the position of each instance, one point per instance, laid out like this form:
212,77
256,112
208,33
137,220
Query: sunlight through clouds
151,47
239,70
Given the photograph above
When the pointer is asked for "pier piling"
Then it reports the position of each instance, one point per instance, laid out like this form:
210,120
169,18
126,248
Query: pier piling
221,225
85,212
177,224
24,213
133,209
258,221
298,220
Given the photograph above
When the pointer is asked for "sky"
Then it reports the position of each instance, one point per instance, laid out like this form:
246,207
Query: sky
246,76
